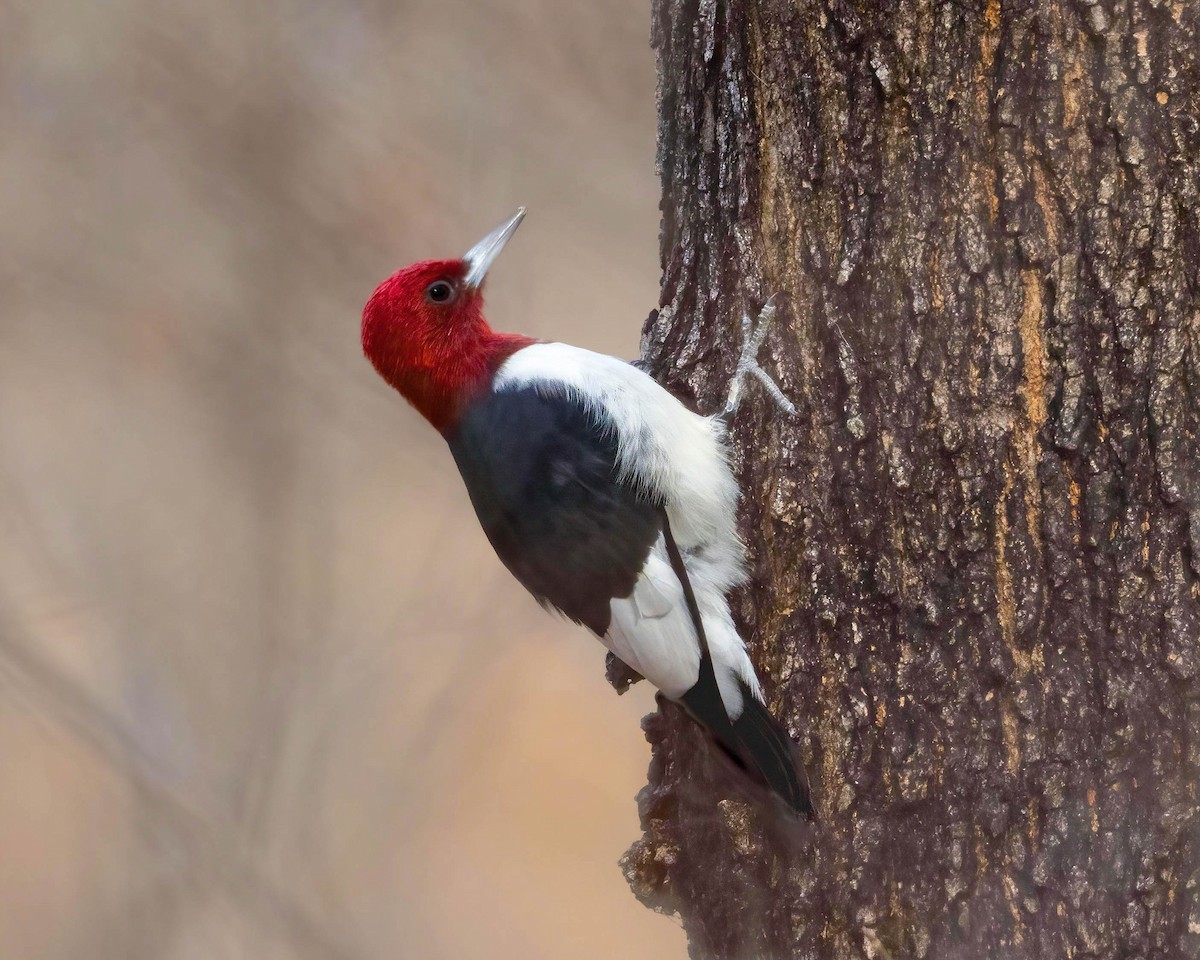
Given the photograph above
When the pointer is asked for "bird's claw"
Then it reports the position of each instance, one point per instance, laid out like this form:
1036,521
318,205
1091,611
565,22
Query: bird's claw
753,336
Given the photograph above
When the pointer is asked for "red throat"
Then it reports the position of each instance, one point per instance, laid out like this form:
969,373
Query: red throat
439,356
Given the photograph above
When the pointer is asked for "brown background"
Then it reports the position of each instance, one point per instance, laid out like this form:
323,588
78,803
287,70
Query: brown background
264,690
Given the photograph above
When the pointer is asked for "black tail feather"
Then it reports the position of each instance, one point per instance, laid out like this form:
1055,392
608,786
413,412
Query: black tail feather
756,743
768,754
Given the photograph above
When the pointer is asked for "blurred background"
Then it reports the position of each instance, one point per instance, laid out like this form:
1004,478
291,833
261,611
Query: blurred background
265,691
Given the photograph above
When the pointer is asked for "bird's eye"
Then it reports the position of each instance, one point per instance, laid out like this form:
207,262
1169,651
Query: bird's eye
439,292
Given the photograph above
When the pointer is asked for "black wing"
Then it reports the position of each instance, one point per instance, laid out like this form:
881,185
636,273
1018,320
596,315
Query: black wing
542,475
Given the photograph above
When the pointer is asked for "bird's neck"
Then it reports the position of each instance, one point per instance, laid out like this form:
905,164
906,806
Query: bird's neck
441,384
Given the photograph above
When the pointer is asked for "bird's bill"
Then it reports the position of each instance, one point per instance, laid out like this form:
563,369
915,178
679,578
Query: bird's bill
480,257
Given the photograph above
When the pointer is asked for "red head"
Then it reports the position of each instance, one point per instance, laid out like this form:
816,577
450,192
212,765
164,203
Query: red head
423,330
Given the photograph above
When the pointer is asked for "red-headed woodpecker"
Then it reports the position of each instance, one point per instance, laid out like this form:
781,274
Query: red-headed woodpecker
605,496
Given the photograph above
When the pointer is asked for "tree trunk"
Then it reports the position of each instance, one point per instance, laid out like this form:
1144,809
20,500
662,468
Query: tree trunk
976,547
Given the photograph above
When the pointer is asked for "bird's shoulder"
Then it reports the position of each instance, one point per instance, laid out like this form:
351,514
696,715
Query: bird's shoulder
595,377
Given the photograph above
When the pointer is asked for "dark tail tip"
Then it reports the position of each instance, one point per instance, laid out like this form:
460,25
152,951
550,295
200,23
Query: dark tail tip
762,747
755,743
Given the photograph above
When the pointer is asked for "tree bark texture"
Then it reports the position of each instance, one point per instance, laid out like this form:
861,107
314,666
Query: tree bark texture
976,547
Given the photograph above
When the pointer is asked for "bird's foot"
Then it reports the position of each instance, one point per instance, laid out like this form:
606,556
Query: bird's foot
619,674
753,335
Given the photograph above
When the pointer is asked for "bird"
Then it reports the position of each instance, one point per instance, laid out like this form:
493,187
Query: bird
606,497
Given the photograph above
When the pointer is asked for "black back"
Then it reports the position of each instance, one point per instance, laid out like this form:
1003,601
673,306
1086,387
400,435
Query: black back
542,476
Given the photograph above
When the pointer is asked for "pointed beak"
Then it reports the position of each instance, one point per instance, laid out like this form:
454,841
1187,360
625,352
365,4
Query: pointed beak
480,257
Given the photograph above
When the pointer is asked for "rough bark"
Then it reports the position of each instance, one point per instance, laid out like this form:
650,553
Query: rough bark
976,548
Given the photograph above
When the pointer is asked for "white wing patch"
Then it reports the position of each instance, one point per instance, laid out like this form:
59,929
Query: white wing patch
652,632
662,646
650,599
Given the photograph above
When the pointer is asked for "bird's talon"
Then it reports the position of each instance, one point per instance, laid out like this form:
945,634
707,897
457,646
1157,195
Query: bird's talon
753,335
